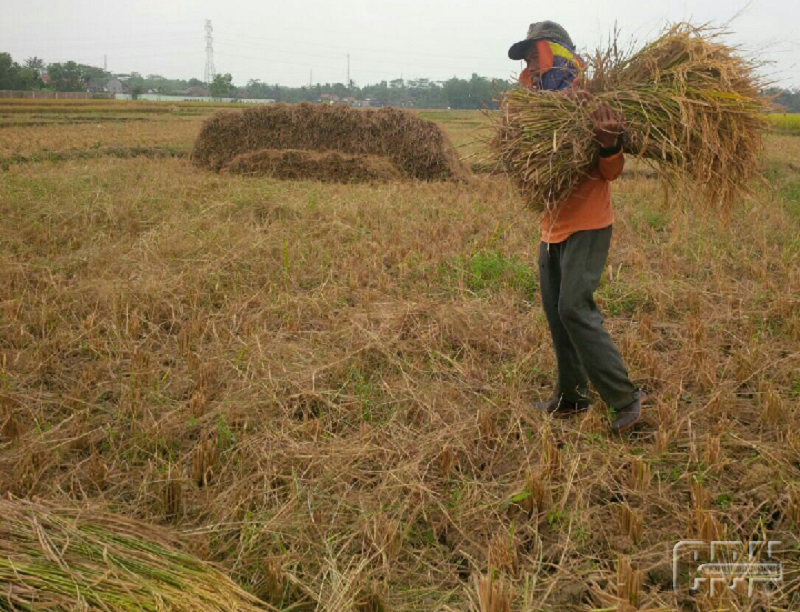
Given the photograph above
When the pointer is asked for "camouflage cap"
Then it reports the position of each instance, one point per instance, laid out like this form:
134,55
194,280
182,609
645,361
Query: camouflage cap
541,30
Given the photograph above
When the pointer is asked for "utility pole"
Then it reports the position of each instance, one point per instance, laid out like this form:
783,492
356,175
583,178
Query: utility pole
348,72
210,70
310,78
105,63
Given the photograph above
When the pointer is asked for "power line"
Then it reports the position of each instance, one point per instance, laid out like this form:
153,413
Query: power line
295,44
382,73
402,62
277,61
43,47
210,72
153,36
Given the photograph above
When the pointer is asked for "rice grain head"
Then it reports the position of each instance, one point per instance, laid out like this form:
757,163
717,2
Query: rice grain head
690,106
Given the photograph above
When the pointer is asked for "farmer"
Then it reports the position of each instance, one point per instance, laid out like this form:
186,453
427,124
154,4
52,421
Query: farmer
575,243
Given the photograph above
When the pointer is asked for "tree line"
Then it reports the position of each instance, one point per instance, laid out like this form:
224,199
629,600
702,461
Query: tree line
473,93
788,99
35,75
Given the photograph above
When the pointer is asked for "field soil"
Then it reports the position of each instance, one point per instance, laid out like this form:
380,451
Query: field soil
338,379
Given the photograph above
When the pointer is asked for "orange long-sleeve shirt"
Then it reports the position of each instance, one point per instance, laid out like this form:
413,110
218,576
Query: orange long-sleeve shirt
589,205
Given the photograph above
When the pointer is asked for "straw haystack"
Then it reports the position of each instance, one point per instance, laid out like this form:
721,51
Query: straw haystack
327,166
418,148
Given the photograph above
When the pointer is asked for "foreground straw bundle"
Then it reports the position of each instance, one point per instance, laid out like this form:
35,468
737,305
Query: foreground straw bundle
690,106
418,148
63,559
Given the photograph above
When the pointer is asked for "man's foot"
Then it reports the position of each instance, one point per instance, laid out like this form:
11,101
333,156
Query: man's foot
562,407
627,417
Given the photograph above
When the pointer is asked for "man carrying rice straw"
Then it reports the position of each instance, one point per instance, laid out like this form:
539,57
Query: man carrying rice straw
575,243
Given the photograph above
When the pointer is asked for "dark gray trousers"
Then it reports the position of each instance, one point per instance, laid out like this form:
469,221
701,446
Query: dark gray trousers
569,273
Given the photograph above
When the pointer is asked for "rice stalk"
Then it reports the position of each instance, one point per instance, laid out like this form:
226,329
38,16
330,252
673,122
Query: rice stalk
690,107
63,558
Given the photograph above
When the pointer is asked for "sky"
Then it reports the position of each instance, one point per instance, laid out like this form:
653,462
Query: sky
293,42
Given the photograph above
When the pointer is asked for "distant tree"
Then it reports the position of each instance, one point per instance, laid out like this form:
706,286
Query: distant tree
28,79
93,77
339,89
789,99
37,64
257,89
478,92
159,83
456,93
16,77
8,71
222,86
66,77
136,91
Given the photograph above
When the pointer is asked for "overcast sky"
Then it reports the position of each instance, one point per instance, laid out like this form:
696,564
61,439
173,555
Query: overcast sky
285,41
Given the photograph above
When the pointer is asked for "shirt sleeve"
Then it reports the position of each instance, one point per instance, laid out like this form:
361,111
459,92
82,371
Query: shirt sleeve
611,167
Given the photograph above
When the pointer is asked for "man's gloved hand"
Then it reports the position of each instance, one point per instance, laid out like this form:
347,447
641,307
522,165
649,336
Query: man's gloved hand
607,126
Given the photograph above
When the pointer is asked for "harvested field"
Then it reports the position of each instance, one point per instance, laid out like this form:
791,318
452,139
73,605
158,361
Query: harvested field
325,389
29,140
418,148
42,120
102,107
328,167
93,153
785,122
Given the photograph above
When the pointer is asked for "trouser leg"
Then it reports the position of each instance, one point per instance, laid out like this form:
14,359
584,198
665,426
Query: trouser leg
572,383
583,258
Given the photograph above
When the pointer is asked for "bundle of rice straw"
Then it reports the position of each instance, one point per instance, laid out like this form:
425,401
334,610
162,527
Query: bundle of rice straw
690,105
418,148
325,166
54,558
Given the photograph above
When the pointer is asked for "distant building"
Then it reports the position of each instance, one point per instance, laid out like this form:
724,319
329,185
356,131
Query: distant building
116,86
329,98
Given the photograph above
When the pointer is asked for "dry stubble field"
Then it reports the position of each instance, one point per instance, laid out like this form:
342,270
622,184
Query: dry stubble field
326,389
